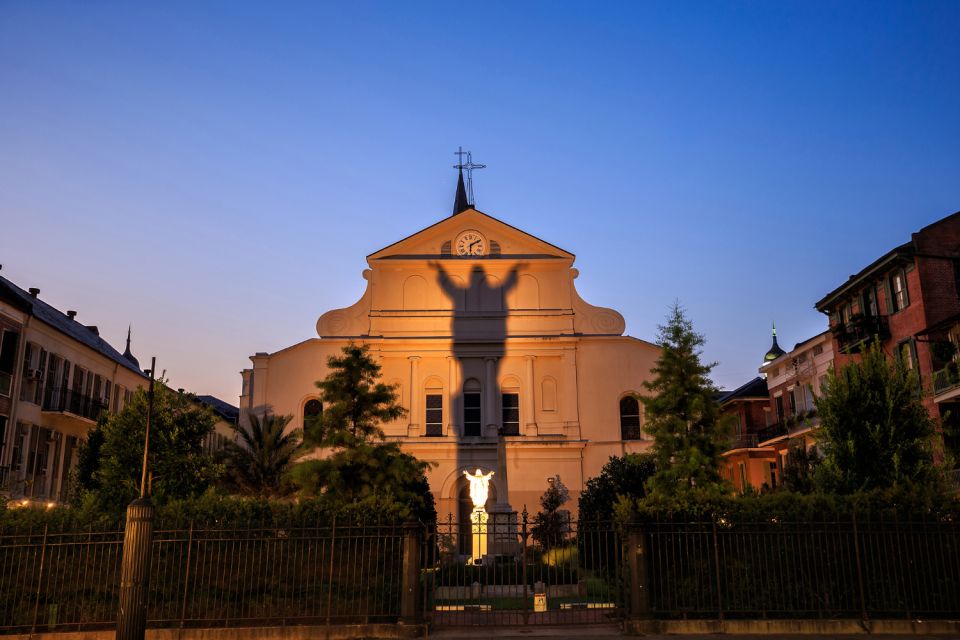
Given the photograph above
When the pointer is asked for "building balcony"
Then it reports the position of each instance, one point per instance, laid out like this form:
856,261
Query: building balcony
853,336
743,441
772,431
70,401
946,384
792,425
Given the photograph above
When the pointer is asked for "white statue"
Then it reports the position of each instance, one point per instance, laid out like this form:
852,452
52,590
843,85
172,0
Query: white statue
479,487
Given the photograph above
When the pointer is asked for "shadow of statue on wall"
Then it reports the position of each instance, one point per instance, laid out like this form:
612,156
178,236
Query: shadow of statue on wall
482,413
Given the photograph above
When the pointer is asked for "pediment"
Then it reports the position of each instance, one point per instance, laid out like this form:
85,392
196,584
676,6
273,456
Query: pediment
503,239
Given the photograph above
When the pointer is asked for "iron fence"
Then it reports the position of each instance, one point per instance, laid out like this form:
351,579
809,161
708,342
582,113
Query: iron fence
205,577
510,570
870,569
514,571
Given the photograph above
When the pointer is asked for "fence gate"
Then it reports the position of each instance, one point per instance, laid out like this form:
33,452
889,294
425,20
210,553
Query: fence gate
510,571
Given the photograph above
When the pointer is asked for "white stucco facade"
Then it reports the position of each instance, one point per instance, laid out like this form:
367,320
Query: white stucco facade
474,336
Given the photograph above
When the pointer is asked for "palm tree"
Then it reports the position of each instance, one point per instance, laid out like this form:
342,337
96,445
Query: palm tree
257,463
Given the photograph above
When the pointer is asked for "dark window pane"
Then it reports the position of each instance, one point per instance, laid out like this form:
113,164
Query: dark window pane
312,410
8,351
434,416
511,414
471,414
630,419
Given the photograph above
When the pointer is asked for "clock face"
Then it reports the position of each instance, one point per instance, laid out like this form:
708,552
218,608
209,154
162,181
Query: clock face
471,243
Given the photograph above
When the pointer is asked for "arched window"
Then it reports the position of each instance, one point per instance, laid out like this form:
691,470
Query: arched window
630,419
312,410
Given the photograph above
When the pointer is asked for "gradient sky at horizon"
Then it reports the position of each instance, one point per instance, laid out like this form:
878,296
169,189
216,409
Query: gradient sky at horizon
214,173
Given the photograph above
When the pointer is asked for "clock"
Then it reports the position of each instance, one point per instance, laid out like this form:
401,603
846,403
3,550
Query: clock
470,243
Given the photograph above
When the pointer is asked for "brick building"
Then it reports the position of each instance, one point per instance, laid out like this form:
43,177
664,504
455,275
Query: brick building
909,300
746,463
776,411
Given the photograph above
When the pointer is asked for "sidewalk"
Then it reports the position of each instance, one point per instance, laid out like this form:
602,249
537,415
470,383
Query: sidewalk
613,631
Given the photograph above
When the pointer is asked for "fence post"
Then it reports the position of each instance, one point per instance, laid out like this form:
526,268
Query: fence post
186,579
409,609
43,559
716,568
856,553
135,570
638,559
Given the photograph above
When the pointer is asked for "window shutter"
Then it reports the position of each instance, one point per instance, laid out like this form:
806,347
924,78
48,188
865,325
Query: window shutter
888,295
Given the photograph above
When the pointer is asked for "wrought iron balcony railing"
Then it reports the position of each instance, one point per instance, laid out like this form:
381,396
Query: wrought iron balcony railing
744,441
74,402
945,380
772,431
860,331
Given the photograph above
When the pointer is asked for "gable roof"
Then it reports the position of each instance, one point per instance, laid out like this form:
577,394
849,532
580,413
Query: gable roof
55,318
756,388
223,409
457,221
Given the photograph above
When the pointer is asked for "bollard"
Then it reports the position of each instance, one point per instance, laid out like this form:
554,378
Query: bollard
135,570
409,598
638,558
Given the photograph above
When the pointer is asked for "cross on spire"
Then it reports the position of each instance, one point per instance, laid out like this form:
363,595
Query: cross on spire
467,166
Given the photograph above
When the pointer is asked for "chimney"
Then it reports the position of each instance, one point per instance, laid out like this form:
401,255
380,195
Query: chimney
34,292
71,314
93,329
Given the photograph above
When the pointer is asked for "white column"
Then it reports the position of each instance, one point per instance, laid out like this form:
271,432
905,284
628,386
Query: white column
529,407
453,391
569,397
490,392
413,428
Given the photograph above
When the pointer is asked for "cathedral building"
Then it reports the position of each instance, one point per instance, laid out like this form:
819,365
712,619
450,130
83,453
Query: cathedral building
494,355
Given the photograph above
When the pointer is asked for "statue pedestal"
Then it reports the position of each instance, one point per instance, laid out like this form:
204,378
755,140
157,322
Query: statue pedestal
478,530
503,529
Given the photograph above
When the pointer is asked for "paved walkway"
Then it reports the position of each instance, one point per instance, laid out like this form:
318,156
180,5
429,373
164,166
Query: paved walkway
611,631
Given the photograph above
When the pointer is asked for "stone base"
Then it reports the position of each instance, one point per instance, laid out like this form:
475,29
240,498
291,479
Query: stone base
480,533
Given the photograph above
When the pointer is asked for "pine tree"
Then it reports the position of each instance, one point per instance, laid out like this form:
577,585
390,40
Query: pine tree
355,402
552,523
361,467
874,431
683,416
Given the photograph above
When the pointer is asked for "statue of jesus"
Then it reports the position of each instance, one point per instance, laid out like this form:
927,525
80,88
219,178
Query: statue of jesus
479,488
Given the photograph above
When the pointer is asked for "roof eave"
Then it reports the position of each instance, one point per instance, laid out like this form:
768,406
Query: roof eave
880,264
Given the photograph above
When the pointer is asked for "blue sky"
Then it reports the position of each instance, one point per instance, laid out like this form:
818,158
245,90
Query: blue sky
215,173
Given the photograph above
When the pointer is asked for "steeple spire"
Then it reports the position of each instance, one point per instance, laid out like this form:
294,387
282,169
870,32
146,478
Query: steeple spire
775,350
460,203
127,353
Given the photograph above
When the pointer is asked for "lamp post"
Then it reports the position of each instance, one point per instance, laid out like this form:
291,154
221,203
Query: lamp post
137,542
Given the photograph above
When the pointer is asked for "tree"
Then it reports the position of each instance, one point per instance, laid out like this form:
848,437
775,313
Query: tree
683,416
552,523
800,470
622,476
112,454
260,462
361,467
874,431
355,402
